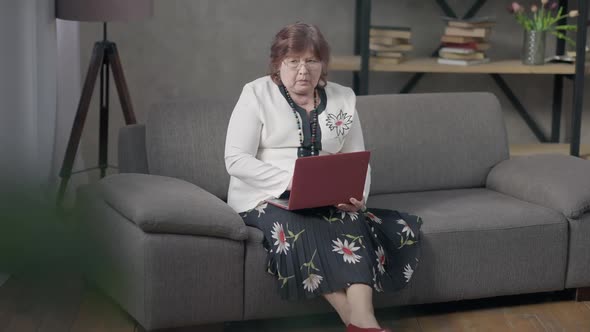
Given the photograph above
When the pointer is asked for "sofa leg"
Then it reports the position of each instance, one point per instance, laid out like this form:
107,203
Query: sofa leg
583,294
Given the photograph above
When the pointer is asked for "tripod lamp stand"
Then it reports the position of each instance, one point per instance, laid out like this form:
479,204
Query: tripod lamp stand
105,57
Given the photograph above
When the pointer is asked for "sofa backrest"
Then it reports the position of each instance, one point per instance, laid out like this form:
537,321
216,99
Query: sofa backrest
418,141
184,139
432,141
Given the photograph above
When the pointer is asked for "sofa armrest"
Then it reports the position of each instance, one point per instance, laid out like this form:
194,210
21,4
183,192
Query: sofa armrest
556,181
159,204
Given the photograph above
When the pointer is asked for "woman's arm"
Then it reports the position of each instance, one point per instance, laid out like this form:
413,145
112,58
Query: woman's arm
241,146
354,142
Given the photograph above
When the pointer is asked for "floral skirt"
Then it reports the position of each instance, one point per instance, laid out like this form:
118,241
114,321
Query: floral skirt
323,250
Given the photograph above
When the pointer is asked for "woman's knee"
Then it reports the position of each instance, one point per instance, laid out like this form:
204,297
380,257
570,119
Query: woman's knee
359,287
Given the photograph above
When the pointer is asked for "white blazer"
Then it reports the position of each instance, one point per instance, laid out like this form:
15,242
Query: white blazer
262,140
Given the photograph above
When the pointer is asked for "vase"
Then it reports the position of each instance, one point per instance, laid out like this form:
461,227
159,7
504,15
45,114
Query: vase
533,47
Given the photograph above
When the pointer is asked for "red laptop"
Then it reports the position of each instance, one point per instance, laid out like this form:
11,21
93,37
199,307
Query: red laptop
326,180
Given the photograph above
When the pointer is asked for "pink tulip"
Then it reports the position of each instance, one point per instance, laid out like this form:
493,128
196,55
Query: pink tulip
534,8
515,7
553,5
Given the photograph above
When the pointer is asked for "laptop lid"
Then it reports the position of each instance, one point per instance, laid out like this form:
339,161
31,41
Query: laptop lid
328,179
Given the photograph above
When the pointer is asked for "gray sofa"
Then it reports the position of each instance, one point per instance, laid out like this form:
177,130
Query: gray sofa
160,240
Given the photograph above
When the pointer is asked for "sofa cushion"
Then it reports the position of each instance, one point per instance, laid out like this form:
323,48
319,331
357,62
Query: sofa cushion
468,210
553,180
475,243
131,152
255,235
186,139
159,204
162,280
432,141
481,243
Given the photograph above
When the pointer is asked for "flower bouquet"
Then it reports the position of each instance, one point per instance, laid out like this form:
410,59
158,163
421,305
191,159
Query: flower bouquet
536,22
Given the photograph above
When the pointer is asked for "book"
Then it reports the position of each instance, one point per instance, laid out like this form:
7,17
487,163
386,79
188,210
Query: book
394,48
385,61
561,59
455,62
469,45
391,27
387,54
393,32
460,39
572,54
474,22
457,50
457,56
462,32
458,24
568,57
476,19
387,41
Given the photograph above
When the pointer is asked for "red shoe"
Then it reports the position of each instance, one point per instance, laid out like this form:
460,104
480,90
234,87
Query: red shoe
354,328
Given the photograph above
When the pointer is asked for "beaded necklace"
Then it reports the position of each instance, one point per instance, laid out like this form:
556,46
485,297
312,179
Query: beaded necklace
302,151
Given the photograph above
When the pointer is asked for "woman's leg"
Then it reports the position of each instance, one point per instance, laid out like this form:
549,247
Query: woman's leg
339,301
360,301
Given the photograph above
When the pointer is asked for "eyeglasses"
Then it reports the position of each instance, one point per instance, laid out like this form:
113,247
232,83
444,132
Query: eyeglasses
311,64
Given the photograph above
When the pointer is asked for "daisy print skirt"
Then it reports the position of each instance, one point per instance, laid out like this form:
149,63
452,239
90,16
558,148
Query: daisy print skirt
323,250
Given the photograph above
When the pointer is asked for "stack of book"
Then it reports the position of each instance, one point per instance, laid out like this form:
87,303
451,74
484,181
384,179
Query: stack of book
572,55
388,44
465,41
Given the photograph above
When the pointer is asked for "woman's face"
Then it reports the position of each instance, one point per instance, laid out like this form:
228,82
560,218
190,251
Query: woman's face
301,73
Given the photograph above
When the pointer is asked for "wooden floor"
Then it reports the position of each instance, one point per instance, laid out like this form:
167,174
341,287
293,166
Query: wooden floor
63,302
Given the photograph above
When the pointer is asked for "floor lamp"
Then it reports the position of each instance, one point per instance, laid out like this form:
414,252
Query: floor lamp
104,57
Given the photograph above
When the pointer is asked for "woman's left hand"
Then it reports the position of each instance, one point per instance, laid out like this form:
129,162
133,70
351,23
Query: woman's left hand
355,205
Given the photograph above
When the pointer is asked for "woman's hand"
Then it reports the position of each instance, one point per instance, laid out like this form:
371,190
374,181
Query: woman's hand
355,205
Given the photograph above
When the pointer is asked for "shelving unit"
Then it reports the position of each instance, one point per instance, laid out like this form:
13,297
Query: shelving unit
360,65
429,65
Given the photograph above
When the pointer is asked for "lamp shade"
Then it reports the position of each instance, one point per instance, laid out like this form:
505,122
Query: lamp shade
103,10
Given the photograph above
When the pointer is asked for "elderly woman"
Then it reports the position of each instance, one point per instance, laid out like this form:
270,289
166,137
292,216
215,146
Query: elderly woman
343,252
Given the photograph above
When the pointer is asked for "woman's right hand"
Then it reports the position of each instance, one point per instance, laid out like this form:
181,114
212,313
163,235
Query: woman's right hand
354,206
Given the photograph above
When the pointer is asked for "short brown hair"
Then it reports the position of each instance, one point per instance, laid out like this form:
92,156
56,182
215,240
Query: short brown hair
297,39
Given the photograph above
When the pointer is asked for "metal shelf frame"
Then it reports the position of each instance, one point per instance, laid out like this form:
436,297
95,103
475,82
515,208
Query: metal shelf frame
361,77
